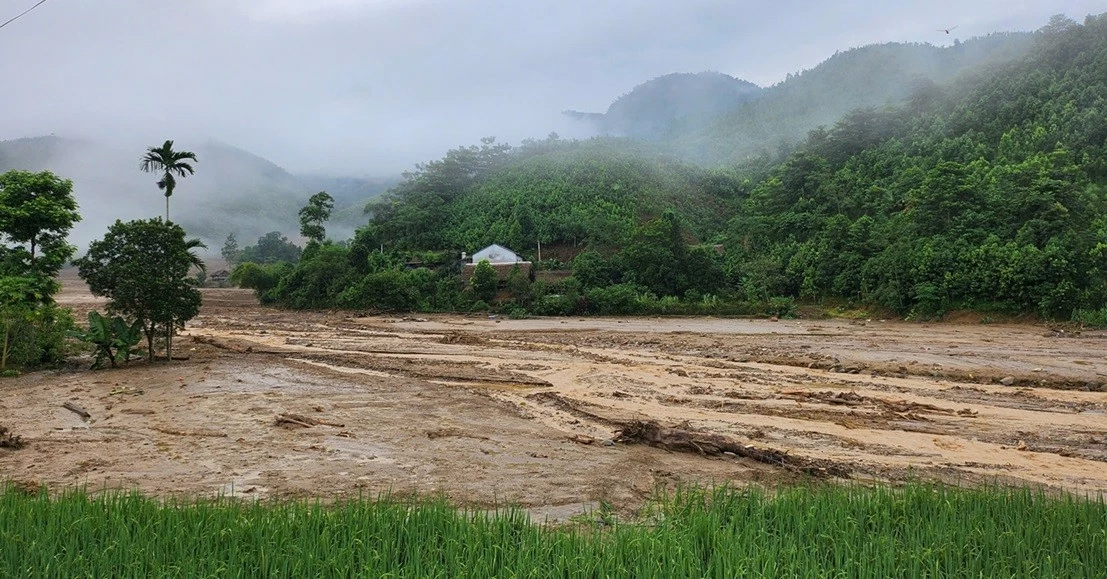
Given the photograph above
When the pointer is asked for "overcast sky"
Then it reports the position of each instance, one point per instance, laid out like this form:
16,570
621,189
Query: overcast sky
372,86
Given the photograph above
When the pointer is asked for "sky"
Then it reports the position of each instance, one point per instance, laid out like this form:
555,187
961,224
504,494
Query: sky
371,87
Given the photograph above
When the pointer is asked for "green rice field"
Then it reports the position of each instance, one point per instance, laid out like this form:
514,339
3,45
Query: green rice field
803,531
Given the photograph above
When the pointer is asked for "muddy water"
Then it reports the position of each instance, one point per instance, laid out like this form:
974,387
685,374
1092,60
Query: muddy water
491,410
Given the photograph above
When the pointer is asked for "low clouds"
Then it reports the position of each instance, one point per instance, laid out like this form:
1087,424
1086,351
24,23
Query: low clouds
373,86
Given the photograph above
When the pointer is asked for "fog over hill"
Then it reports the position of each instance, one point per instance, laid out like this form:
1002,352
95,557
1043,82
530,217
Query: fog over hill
233,191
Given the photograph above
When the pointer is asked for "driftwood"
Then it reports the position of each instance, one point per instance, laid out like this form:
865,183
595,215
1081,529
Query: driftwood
176,432
10,440
304,421
708,444
75,408
447,432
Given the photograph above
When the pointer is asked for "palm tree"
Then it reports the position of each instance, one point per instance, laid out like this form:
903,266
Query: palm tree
165,160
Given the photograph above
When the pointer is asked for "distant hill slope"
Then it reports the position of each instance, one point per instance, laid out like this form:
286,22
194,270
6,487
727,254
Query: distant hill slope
232,191
673,102
870,76
716,119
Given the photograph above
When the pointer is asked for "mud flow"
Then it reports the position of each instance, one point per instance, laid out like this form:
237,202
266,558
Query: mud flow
558,414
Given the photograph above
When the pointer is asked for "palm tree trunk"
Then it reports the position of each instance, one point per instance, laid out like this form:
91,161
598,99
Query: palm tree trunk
167,209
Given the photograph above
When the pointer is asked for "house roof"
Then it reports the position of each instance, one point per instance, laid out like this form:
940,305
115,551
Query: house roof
494,246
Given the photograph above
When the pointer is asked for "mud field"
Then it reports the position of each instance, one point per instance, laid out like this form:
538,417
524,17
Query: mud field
560,414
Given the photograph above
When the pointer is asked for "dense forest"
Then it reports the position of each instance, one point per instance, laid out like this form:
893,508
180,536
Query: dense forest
982,190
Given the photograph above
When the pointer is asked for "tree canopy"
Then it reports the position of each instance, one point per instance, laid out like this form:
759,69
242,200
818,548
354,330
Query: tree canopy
142,268
37,210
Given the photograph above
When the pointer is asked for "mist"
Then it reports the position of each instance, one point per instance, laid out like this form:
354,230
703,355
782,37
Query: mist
370,87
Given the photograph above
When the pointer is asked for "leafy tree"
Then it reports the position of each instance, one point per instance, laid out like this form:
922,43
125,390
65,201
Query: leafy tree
230,250
142,267
272,247
317,280
657,256
171,164
485,281
519,284
314,215
259,277
37,210
593,270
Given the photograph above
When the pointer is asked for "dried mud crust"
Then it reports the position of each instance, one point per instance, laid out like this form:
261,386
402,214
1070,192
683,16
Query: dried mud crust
537,411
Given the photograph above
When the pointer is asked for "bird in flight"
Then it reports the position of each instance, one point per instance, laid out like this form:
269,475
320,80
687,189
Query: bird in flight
947,30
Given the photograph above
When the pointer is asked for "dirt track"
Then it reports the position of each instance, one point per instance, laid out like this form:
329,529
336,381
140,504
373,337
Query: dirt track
487,410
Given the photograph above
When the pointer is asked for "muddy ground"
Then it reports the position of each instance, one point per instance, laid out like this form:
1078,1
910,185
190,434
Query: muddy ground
491,410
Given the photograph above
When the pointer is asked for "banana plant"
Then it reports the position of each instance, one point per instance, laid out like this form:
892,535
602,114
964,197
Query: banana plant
115,340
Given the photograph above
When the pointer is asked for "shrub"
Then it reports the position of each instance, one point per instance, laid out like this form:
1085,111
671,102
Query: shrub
388,290
782,307
616,299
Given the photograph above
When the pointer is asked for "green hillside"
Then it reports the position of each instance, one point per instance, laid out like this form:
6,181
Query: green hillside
557,192
988,192
990,195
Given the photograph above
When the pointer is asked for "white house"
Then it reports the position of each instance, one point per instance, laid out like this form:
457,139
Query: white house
496,254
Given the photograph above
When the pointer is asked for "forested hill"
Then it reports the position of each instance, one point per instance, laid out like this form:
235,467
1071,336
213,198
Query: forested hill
991,194
558,192
988,192
670,104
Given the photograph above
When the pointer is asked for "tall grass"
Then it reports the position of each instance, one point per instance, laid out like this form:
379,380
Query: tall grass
917,531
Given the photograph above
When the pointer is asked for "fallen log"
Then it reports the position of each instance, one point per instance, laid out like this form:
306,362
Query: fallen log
306,422
177,432
708,444
77,409
293,420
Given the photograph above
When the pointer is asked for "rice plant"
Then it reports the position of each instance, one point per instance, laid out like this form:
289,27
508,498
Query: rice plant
916,531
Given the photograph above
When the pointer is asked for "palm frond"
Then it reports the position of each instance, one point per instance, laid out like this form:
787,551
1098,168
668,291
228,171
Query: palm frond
193,258
181,168
167,183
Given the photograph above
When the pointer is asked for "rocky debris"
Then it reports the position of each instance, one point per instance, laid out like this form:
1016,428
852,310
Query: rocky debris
1007,380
